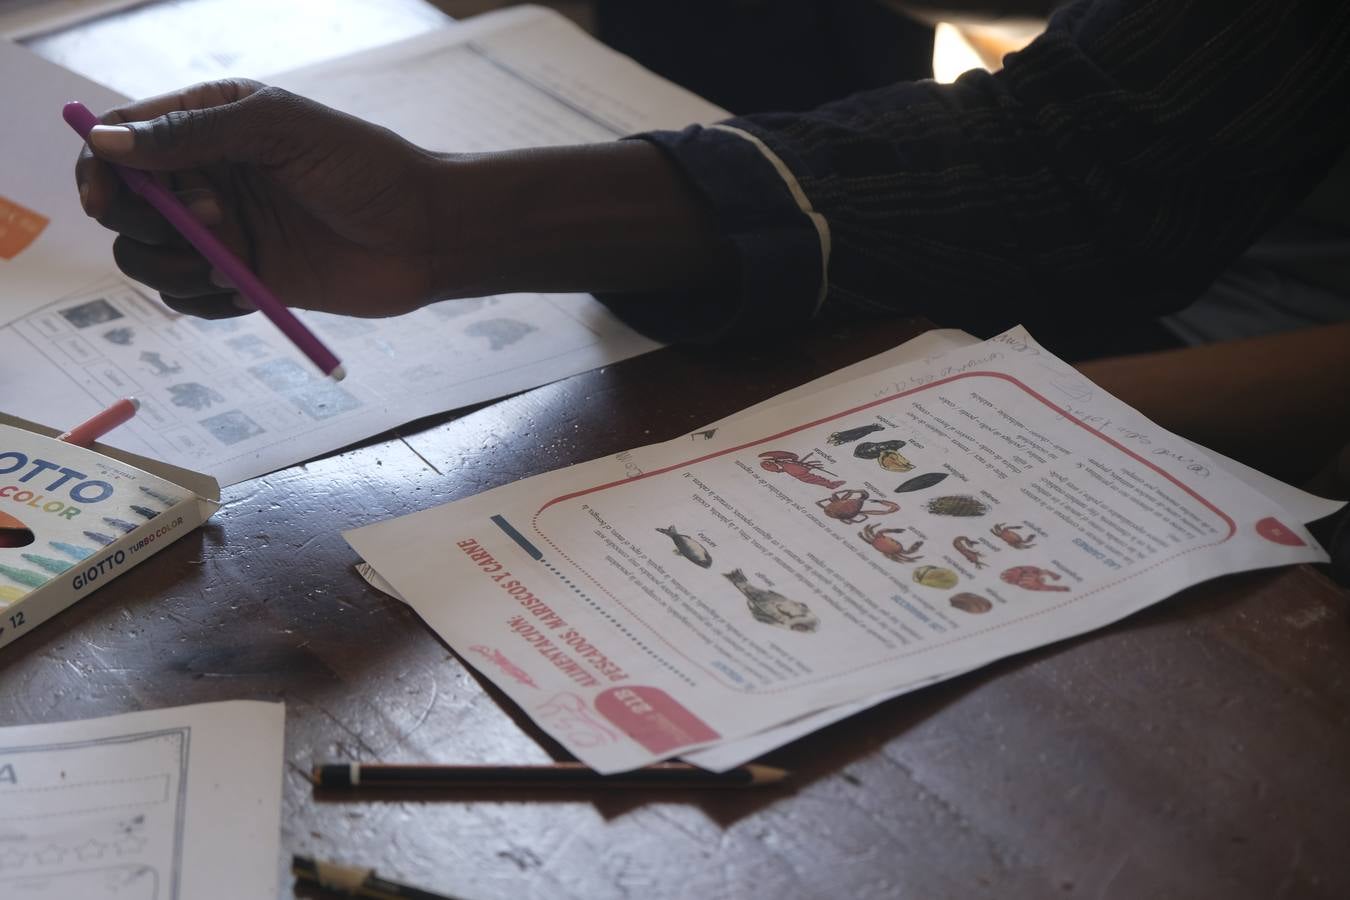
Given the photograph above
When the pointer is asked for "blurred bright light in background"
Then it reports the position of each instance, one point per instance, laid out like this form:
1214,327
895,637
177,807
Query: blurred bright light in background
952,53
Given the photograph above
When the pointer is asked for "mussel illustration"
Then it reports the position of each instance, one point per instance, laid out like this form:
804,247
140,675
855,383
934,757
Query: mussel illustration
871,449
852,434
919,482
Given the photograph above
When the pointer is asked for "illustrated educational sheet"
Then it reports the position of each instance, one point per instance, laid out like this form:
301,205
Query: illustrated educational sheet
906,526
173,803
48,246
233,398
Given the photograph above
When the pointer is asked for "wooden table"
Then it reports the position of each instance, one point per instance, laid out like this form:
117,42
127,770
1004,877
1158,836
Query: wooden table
1199,749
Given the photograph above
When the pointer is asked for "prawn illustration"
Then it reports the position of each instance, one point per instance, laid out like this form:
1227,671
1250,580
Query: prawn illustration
966,547
801,468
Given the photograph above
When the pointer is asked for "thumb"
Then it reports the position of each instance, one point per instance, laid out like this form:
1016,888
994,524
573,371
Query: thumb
256,129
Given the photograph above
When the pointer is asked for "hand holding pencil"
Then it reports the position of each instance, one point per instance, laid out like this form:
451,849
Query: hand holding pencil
329,212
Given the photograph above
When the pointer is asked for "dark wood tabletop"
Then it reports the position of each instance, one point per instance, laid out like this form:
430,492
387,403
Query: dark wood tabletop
1198,749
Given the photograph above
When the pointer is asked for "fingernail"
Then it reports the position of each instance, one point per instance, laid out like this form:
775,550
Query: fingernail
114,139
203,207
219,280
84,198
241,302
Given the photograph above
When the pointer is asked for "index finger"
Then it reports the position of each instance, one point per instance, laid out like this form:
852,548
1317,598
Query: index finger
97,184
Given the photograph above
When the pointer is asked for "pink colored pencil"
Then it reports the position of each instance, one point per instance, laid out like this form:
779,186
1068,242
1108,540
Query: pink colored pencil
86,433
78,117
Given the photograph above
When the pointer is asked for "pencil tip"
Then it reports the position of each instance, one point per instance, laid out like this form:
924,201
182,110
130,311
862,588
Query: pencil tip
338,373
760,774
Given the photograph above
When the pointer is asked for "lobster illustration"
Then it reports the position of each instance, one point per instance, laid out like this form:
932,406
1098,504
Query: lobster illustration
1033,578
1008,534
889,547
848,506
966,547
801,468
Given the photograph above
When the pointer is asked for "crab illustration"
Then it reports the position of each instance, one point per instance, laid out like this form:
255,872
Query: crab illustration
888,546
1008,534
966,547
801,468
848,506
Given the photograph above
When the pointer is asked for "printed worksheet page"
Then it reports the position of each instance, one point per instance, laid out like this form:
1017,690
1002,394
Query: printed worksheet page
233,398
906,526
161,805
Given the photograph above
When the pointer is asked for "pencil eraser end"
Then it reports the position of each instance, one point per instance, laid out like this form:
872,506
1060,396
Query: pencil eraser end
338,373
78,117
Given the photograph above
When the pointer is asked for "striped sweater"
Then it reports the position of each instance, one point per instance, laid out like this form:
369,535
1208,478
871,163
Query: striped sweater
1110,170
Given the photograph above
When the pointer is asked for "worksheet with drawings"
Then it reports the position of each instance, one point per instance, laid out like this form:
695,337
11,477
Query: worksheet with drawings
234,399
175,803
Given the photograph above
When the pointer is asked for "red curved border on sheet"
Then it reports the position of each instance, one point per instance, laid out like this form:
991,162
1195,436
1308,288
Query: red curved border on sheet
964,635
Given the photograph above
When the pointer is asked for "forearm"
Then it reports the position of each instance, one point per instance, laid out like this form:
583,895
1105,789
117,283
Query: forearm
1279,403
602,217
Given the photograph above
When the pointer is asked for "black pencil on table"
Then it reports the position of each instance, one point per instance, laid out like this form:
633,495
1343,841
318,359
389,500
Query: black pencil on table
552,775
356,881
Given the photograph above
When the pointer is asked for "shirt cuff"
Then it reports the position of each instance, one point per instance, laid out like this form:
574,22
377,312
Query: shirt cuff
781,244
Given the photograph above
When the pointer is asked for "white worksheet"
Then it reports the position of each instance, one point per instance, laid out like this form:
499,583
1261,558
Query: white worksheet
928,348
824,552
161,805
232,398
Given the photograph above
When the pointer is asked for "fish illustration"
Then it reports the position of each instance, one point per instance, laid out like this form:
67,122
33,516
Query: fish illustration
687,547
852,434
919,482
871,450
771,607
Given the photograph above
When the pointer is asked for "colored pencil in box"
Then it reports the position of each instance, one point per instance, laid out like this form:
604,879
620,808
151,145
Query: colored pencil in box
89,431
13,533
55,566
24,576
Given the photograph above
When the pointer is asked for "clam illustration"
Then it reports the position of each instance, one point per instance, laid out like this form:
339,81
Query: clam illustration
935,577
971,603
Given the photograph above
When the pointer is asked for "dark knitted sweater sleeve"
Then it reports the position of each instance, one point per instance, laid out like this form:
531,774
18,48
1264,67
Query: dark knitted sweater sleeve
1110,170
